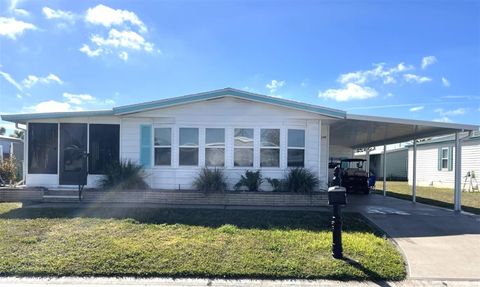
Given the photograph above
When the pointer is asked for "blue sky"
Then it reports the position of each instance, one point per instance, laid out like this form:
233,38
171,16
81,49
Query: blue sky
409,59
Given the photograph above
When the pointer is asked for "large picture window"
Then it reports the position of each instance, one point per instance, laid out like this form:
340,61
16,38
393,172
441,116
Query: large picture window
296,148
42,148
188,150
269,148
104,142
214,147
163,146
243,147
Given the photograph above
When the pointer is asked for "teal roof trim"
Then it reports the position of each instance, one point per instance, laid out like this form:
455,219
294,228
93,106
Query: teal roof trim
22,118
224,93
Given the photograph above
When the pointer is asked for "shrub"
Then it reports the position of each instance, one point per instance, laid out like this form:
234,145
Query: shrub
8,170
124,175
301,180
251,180
210,180
277,184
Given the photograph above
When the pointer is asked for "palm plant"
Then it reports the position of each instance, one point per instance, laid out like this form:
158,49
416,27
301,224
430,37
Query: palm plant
277,184
124,175
301,180
251,180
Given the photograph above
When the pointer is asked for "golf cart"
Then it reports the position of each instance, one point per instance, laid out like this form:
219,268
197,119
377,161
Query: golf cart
352,175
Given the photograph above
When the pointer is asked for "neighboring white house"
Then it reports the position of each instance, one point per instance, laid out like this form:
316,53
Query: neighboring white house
11,146
228,128
436,158
397,162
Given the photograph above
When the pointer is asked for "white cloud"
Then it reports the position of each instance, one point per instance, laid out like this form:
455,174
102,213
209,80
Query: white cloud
78,99
58,15
274,85
123,39
379,71
51,106
456,112
445,82
351,91
89,52
106,16
11,28
416,109
21,12
443,120
412,78
428,60
9,79
32,80
123,55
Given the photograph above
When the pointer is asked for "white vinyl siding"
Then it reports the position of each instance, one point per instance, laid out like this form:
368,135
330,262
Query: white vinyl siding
428,173
222,113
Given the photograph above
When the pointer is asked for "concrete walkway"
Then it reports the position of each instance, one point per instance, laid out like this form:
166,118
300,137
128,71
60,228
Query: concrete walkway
436,242
169,282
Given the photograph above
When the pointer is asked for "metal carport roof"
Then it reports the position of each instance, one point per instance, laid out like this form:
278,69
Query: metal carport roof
358,131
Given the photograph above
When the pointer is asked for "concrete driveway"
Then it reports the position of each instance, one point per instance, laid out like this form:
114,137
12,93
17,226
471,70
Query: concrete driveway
437,243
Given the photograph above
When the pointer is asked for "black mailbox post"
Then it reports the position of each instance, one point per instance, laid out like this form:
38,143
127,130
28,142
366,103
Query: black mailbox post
337,197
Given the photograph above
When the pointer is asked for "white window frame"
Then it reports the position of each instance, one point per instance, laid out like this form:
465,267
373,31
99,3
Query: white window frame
254,165
181,146
163,146
297,148
270,147
216,147
444,158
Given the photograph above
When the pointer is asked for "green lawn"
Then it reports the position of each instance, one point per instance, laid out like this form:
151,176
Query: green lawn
433,195
189,242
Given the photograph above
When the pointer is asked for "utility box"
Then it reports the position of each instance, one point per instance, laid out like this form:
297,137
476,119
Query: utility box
337,195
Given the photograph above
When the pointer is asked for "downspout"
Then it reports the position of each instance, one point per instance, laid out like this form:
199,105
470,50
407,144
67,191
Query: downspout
24,168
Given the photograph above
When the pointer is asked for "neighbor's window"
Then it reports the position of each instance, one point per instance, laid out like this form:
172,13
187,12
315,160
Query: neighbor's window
104,141
243,147
188,151
162,142
214,147
270,148
42,148
444,158
296,148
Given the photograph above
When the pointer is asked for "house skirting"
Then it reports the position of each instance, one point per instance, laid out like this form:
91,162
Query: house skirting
192,198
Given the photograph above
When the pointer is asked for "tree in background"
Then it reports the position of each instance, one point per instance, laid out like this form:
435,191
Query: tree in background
2,131
18,134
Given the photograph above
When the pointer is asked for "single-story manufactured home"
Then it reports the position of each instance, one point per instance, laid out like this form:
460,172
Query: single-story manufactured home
437,156
235,130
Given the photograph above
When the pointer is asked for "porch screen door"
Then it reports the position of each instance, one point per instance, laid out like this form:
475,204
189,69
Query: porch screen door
73,143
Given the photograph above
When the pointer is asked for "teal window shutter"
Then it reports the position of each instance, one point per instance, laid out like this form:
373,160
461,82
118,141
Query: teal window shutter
146,145
439,158
450,158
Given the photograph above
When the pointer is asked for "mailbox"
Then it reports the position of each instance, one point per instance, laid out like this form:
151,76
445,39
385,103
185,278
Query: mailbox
337,195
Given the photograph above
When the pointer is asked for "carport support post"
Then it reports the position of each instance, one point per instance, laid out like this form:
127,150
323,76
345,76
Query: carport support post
414,176
367,158
458,173
384,170
414,172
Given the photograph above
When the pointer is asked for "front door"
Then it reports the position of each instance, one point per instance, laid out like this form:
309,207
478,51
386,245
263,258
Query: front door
73,146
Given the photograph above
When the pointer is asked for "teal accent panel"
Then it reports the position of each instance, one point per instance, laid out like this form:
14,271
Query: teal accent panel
146,145
450,158
439,159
